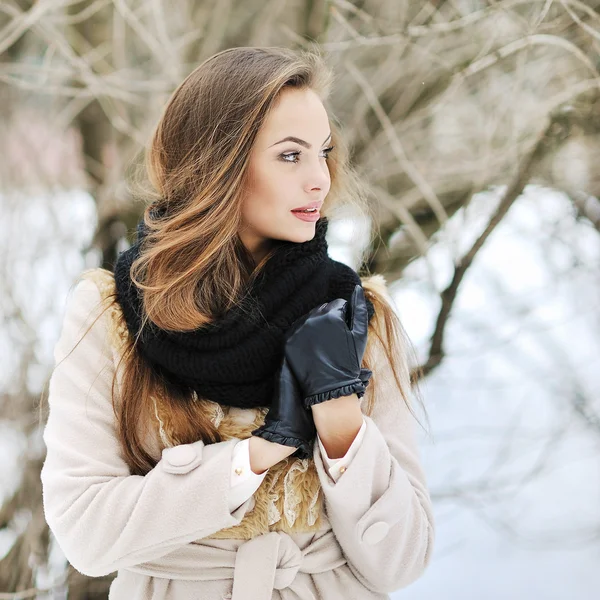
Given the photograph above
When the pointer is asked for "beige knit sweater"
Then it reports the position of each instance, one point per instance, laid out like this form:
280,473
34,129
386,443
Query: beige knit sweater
170,534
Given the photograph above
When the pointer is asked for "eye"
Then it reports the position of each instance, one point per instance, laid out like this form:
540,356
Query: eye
294,155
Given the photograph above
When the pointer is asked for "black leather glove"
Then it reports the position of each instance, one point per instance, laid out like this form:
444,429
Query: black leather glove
325,349
287,421
365,376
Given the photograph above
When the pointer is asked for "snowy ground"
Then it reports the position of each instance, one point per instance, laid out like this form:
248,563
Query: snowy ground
513,462
514,465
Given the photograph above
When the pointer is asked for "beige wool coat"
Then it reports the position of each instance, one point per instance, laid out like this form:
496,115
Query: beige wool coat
169,534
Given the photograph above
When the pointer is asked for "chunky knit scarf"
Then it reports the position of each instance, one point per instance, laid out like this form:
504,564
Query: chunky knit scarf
234,360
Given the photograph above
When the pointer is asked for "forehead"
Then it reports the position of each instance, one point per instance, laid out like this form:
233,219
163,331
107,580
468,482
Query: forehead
296,112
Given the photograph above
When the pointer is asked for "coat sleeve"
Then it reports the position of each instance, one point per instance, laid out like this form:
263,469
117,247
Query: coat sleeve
380,509
101,515
244,482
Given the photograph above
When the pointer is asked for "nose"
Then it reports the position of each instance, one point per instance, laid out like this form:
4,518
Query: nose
319,179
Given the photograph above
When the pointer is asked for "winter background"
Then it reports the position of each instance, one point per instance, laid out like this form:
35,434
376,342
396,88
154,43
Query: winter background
450,108
513,459
514,463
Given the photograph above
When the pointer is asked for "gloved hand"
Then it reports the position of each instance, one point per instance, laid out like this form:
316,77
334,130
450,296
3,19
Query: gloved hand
325,347
287,422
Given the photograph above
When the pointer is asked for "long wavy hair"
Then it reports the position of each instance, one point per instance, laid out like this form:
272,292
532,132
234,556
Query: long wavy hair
192,265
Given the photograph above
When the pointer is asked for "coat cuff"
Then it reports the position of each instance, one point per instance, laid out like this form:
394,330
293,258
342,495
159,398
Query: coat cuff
336,466
365,480
244,481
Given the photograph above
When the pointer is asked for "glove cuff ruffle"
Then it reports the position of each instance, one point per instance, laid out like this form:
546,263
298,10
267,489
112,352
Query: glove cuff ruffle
304,448
355,387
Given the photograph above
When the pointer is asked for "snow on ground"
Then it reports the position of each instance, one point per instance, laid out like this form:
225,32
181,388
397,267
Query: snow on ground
514,463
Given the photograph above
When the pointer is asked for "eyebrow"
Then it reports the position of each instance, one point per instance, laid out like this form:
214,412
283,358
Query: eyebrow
291,138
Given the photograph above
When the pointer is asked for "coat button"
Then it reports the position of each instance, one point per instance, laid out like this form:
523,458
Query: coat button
375,533
179,456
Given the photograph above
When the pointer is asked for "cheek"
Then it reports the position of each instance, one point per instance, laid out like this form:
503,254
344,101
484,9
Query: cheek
328,174
268,186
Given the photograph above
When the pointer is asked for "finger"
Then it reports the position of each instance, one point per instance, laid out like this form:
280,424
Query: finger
349,313
357,311
337,305
297,324
327,307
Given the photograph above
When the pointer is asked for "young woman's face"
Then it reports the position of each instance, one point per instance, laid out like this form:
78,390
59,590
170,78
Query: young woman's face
285,175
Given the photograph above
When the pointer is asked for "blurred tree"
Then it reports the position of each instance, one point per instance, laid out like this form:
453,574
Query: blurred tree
440,100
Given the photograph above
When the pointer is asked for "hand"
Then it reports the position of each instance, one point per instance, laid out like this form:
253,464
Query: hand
287,421
325,347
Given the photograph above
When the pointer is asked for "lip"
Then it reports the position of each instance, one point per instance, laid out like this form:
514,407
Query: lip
316,205
310,217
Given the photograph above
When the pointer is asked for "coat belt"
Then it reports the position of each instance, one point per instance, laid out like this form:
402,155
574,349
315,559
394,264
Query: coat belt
257,566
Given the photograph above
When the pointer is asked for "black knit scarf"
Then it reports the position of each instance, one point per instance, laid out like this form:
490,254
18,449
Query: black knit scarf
234,359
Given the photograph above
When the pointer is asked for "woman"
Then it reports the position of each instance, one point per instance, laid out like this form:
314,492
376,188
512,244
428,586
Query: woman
235,421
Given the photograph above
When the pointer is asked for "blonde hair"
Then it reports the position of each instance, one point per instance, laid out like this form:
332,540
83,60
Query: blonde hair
192,266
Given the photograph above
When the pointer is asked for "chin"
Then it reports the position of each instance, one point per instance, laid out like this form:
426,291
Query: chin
303,231
291,231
